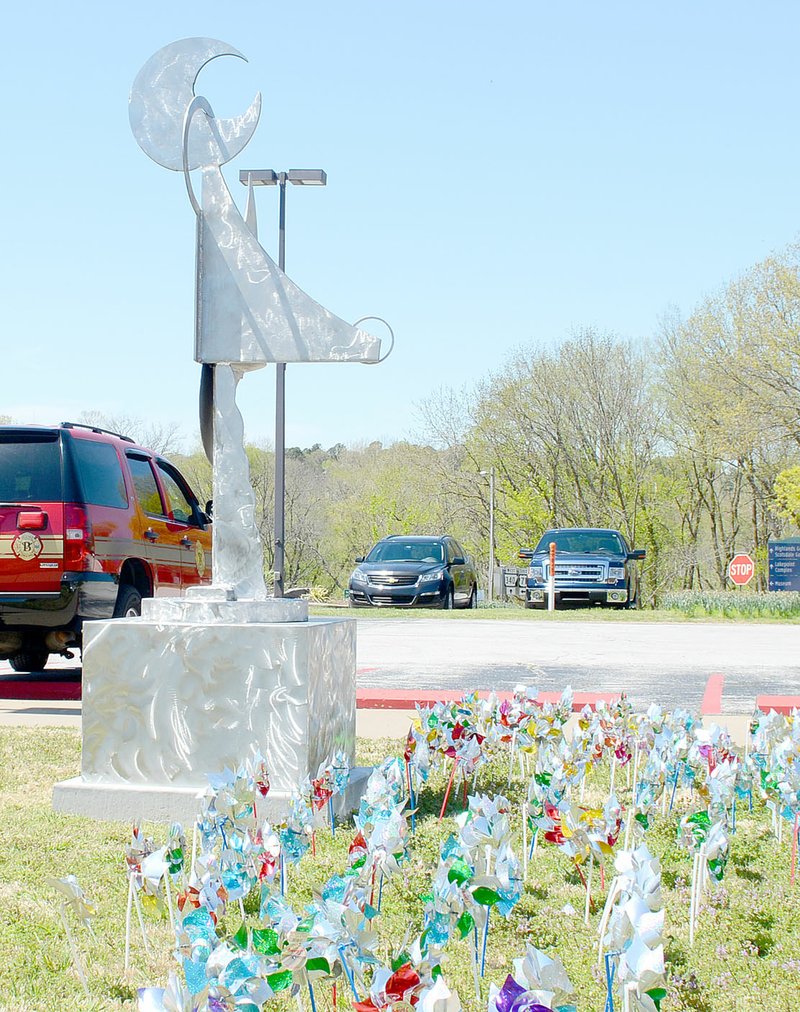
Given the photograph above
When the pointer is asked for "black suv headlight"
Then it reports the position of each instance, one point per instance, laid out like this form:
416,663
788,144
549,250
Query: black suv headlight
436,575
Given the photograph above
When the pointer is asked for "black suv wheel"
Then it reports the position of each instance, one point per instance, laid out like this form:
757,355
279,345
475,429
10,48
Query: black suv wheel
29,660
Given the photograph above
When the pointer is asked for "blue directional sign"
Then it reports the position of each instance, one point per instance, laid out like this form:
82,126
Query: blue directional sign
784,564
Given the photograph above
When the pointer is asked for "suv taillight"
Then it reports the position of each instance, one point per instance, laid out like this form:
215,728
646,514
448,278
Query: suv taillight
78,538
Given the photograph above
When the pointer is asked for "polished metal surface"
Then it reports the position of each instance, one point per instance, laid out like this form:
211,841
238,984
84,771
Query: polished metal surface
165,704
160,96
248,312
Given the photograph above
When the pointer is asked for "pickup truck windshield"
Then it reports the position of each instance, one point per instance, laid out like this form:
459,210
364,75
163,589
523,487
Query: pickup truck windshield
583,542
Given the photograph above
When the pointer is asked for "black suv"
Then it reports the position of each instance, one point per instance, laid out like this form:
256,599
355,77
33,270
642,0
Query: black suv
410,570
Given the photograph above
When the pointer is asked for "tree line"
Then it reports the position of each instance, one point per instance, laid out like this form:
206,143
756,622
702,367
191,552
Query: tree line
688,442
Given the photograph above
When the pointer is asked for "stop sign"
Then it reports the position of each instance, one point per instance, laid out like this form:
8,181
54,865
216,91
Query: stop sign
741,569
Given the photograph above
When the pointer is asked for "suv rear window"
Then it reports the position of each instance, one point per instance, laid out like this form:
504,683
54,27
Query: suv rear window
30,467
101,473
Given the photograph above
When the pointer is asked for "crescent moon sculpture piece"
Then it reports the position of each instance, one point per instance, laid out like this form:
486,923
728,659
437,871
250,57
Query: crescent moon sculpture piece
160,96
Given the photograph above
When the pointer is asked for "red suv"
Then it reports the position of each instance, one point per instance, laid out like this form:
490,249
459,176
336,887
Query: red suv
90,523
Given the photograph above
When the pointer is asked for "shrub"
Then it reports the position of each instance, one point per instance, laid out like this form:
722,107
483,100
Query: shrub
734,604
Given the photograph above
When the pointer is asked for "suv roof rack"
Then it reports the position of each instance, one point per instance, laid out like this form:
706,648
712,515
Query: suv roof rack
96,428
435,537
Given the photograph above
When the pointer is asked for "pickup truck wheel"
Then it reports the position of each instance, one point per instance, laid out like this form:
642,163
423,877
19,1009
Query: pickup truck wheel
633,602
129,602
29,660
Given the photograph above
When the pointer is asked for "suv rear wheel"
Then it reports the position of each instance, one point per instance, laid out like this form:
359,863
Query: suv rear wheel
129,602
29,660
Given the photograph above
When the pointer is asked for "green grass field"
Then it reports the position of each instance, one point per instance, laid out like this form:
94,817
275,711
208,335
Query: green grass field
746,955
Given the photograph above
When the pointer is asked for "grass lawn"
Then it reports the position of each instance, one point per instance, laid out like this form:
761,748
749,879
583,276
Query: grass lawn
746,954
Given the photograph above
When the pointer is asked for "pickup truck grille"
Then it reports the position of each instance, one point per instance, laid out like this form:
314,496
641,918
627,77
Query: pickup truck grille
389,580
579,572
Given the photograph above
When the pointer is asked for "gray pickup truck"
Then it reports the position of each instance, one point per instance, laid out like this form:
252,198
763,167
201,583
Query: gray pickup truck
594,565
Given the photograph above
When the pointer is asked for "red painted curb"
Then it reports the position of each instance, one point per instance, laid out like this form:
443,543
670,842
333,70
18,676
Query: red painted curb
366,699
49,688
405,699
712,697
780,704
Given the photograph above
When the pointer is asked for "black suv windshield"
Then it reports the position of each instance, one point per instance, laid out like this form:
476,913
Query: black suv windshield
30,467
579,542
406,551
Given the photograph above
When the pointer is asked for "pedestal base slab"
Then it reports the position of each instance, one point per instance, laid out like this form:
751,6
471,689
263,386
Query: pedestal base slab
165,704
167,804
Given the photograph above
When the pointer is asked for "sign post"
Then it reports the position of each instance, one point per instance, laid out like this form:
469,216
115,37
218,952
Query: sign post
741,569
551,582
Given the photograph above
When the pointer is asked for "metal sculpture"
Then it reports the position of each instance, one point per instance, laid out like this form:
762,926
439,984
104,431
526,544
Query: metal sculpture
248,312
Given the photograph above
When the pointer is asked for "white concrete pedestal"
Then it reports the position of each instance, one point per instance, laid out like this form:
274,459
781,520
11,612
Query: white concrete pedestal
166,701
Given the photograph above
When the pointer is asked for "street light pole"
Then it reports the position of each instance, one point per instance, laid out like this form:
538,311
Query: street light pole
280,421
268,177
490,474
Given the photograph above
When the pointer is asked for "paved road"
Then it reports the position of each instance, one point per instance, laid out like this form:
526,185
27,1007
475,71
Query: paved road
666,662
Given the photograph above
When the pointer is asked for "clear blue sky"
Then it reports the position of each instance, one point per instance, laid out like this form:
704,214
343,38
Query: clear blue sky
497,174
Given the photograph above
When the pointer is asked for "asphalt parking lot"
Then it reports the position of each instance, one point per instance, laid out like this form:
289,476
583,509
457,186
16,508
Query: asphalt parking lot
669,663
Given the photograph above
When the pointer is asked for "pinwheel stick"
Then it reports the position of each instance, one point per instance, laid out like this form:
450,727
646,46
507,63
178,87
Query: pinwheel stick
588,890
511,757
412,801
168,892
794,848
349,974
128,914
485,940
311,994
610,968
698,879
524,841
76,959
475,972
140,915
675,783
616,888
194,849
449,788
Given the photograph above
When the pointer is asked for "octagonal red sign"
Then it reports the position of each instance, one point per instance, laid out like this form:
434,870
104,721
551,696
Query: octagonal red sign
741,569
